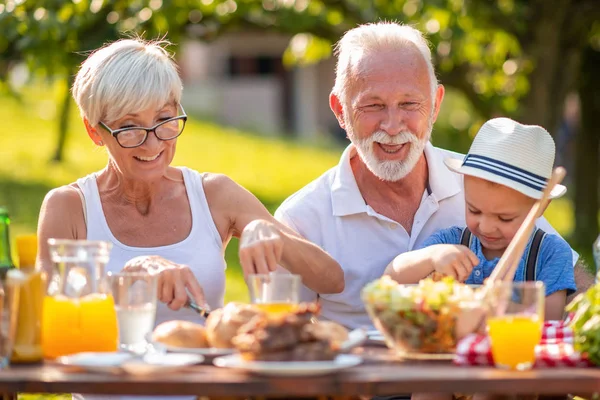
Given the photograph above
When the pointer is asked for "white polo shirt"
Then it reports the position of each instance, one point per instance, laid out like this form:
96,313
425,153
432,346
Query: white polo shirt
332,213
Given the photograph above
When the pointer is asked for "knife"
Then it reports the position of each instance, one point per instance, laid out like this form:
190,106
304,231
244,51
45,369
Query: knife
202,311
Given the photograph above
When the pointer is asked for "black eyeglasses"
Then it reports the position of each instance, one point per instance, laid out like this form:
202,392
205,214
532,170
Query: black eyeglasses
136,135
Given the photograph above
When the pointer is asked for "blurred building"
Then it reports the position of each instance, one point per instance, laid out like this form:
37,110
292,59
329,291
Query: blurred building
239,80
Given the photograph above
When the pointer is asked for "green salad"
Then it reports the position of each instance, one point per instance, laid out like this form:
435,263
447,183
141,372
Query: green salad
586,323
418,318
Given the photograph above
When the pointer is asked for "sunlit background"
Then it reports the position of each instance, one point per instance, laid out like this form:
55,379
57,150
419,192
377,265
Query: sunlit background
257,78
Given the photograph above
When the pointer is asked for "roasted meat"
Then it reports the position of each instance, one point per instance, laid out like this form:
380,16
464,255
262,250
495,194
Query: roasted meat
284,338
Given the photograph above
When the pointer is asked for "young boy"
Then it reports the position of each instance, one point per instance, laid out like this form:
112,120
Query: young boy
505,171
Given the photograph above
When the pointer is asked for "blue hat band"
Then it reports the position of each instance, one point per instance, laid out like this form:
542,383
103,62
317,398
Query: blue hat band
505,170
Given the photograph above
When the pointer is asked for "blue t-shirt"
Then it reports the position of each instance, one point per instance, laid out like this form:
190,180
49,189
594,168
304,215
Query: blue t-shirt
554,263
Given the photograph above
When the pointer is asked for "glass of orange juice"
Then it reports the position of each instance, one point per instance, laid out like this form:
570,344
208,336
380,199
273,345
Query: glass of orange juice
275,293
78,313
515,324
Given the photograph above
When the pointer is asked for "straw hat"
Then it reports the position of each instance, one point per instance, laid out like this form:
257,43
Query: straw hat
511,154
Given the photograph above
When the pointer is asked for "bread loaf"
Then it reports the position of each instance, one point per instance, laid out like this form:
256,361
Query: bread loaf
180,334
222,324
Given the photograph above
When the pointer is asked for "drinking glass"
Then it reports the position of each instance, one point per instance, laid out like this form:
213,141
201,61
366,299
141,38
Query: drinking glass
9,308
515,323
274,293
135,303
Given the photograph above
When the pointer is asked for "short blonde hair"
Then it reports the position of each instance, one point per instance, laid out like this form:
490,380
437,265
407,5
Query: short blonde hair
126,76
367,39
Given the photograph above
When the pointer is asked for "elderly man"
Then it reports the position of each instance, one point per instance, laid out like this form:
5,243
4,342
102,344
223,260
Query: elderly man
391,189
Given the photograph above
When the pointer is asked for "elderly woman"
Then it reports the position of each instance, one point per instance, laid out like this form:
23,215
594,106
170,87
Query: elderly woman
174,220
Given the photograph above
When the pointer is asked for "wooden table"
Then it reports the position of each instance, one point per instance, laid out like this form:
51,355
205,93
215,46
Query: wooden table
379,375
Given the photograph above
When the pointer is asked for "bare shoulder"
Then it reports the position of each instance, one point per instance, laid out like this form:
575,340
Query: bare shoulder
232,198
61,214
63,197
212,181
222,188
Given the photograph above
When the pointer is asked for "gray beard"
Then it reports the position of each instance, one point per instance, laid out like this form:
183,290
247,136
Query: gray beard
390,171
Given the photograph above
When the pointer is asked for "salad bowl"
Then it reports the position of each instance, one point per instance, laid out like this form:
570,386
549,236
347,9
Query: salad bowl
424,320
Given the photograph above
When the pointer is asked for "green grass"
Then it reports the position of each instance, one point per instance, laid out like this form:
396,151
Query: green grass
270,168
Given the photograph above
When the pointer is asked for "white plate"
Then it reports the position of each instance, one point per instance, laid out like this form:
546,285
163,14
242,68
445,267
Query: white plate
119,363
288,368
153,363
96,362
207,352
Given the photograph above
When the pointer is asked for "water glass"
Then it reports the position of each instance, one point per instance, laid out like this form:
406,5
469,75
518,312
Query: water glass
275,292
9,308
135,303
515,324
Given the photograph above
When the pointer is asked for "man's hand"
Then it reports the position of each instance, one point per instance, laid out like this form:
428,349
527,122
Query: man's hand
453,260
261,247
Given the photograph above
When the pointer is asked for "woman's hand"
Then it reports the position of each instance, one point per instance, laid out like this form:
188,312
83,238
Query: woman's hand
174,280
261,247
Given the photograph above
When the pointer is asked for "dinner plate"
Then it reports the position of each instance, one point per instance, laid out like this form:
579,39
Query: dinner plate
154,363
207,352
96,361
288,368
120,363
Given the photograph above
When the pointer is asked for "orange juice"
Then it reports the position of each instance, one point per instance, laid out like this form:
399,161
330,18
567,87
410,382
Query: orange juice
76,325
514,338
276,308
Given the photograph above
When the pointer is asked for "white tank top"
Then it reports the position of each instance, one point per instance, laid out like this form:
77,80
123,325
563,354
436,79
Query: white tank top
202,250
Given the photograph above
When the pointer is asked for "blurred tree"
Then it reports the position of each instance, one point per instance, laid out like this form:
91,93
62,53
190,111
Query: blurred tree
53,36
508,57
587,162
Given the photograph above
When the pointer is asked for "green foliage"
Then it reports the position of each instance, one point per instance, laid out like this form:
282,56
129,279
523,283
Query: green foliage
485,49
586,323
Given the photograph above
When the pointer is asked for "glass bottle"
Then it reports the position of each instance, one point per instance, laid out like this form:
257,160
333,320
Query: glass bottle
6,262
10,281
27,347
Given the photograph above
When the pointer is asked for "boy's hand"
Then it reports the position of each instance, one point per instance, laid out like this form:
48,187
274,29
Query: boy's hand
453,260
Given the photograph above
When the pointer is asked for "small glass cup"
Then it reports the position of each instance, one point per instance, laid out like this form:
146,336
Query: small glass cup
274,293
515,323
9,309
135,295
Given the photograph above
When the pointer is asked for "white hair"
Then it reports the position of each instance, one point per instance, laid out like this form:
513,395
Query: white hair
367,39
126,76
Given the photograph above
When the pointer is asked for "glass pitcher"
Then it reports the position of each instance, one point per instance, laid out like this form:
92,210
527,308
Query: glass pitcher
79,312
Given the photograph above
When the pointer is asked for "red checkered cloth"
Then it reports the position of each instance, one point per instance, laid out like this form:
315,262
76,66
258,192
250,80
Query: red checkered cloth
555,349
